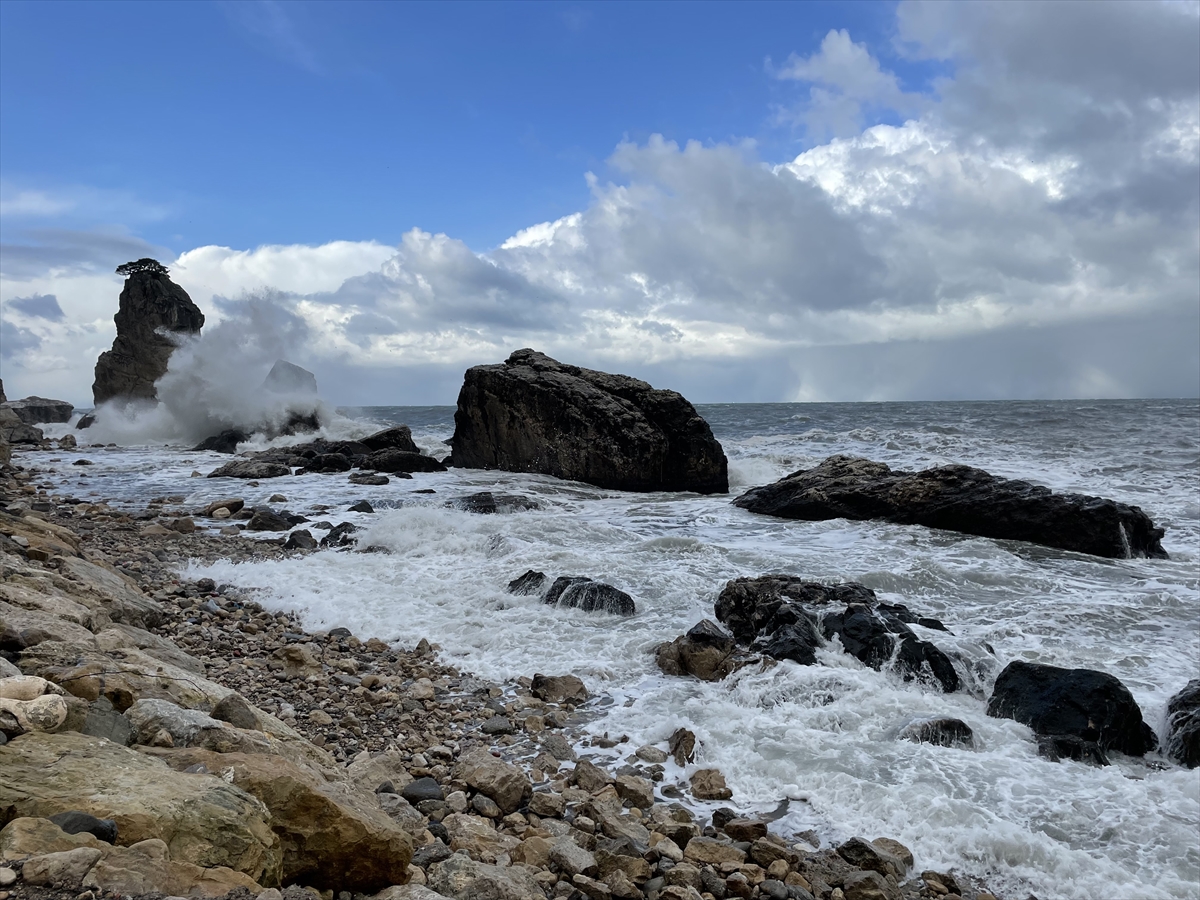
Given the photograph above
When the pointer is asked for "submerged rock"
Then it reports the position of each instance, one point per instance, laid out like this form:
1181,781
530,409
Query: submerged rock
580,592
1082,703
530,582
535,414
1183,725
962,499
486,503
225,442
151,307
941,732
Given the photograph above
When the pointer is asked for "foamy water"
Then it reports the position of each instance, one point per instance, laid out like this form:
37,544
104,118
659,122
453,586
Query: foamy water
822,735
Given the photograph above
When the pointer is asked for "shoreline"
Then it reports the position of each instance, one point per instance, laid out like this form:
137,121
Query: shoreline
361,701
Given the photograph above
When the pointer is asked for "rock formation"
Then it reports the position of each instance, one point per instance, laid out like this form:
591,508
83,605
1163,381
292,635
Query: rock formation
151,306
1183,725
574,592
534,414
963,499
1074,708
14,431
39,410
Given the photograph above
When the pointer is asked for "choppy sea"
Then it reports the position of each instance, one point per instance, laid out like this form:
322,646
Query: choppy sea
821,736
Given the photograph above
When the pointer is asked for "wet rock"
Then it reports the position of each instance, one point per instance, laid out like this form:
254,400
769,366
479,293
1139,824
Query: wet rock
529,583
488,503
558,688
151,307
962,499
506,784
941,732
40,411
1057,747
266,519
361,506
394,461
250,468
366,478
871,638
578,592
1183,726
705,652
534,414
1089,705
868,885
340,535
300,539
682,745
865,855
709,784
398,437
325,463
225,442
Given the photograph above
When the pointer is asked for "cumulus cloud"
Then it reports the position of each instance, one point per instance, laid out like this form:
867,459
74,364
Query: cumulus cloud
1031,229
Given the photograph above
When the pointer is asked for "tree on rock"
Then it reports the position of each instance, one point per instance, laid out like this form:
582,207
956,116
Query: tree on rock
153,266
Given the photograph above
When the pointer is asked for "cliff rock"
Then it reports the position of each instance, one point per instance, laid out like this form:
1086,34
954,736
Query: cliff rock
39,410
149,302
535,414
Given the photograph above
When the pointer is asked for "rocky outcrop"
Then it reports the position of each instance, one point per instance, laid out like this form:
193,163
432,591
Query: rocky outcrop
535,414
705,652
1081,704
1183,725
962,499
574,592
39,410
151,307
786,617
14,431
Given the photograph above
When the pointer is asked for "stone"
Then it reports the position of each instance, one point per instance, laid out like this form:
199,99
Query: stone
896,849
365,478
203,819
65,868
558,688
485,806
547,804
41,714
531,582
463,878
401,461
745,829
250,468
705,652
506,784
478,837
651,754
8,877
406,892
868,886
865,855
300,539
151,307
941,732
362,506
146,868
637,791
332,834
224,442
709,784
963,499
14,431
237,712
422,789
1057,747
398,437
40,411
573,859
704,851
75,822
682,745
534,414
28,836
590,777
389,765
1183,726
579,592
289,378
1083,703
266,519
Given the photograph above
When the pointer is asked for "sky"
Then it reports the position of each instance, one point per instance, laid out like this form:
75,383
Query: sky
743,202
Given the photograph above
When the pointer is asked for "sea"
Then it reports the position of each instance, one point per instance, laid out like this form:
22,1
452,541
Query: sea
816,745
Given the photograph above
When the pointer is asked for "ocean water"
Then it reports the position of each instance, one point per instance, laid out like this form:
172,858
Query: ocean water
823,736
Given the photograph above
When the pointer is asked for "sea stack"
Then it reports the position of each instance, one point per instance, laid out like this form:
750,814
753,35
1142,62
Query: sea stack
532,413
151,306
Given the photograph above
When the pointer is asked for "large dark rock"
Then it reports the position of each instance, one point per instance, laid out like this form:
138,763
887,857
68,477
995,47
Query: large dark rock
963,499
14,431
787,617
289,378
150,302
579,592
1083,703
941,732
225,442
266,519
392,461
396,438
1183,725
39,410
534,414
250,468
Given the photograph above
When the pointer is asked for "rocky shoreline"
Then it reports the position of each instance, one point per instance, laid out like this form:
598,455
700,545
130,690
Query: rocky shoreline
369,770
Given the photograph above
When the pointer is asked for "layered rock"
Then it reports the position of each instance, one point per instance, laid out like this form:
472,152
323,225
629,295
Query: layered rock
962,499
535,414
1079,705
151,308
39,410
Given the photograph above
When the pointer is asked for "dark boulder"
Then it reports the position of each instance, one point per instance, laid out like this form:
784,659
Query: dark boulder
75,822
1183,725
1057,747
87,420
787,617
486,503
266,519
530,582
366,478
401,461
361,506
327,462
962,499
535,414
250,468
396,438
941,732
300,539
1089,705
151,307
706,652
578,592
39,410
339,535
225,442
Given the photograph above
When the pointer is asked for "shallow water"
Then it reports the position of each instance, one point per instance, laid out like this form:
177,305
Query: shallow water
823,735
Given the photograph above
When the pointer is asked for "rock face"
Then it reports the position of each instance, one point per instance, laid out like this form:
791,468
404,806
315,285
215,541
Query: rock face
149,302
963,499
1183,725
787,617
1081,703
14,431
535,414
39,410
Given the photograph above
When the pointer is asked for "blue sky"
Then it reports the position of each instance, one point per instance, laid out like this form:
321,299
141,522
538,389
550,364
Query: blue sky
807,201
